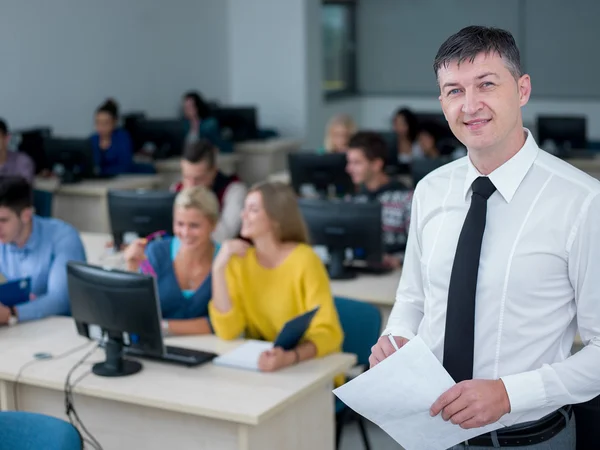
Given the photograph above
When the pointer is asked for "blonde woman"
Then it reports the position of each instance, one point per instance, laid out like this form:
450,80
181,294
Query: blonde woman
182,264
338,132
258,288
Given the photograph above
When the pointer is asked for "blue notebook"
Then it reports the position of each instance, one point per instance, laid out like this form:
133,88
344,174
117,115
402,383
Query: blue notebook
14,292
293,330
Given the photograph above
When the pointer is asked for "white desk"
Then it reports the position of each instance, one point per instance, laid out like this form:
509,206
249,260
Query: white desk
379,290
84,205
168,406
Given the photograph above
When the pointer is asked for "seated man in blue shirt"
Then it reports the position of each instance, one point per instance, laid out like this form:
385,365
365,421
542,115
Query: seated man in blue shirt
35,247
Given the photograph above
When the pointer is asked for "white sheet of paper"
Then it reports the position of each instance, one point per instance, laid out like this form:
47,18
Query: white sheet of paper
397,394
245,356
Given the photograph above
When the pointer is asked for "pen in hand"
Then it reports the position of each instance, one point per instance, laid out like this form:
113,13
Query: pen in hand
393,341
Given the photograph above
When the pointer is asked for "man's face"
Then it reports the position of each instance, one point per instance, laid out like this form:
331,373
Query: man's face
360,169
198,174
12,224
481,101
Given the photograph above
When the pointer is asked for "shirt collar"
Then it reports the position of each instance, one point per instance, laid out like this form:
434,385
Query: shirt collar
508,177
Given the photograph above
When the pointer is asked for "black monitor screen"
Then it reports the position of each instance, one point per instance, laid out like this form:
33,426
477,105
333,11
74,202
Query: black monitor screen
237,124
562,133
124,305
165,136
70,158
141,212
339,225
322,172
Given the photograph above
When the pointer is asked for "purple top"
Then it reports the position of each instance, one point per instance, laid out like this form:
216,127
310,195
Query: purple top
18,164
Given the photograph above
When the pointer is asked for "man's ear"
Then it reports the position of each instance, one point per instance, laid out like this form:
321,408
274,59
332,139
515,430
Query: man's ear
26,215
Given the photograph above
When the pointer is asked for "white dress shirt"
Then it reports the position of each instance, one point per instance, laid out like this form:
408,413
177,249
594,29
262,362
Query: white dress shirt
539,277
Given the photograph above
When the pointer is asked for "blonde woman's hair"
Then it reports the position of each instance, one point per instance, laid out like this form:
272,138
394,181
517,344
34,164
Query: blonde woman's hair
281,206
343,120
200,198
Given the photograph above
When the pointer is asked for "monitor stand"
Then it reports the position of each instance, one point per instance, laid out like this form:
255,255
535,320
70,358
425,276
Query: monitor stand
336,267
115,365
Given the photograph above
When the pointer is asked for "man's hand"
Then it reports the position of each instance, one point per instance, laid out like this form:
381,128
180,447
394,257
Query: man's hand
384,348
473,403
391,261
4,314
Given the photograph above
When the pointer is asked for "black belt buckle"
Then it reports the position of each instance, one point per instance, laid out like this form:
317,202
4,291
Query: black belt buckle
527,434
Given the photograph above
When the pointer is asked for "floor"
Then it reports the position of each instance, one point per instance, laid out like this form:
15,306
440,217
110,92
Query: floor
351,439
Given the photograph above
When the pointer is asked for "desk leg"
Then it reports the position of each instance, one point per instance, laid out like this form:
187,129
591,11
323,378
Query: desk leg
7,400
308,424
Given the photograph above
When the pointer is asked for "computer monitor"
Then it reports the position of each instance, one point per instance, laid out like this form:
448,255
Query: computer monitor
124,305
166,136
421,167
238,123
31,142
322,172
72,159
339,225
565,133
139,211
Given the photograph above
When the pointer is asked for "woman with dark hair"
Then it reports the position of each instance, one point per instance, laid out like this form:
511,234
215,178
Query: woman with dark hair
200,122
113,150
405,127
428,139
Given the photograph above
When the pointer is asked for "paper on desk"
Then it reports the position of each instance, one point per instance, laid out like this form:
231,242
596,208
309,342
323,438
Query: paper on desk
245,356
397,394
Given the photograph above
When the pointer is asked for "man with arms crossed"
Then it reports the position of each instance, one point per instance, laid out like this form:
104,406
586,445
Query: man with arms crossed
502,260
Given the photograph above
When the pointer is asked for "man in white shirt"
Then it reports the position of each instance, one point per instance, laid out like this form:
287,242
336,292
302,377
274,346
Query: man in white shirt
531,224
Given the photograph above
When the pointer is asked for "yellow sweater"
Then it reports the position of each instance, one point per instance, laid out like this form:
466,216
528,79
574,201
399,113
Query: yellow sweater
263,300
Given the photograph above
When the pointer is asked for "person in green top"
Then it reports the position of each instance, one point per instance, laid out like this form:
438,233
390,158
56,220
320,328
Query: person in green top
200,122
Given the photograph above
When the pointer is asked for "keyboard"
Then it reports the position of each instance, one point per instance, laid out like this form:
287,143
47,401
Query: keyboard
175,355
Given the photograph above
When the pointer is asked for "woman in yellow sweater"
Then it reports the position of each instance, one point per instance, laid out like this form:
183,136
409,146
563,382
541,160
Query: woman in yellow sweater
257,289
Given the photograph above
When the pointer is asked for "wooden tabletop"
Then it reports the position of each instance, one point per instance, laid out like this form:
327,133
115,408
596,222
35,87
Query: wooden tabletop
208,390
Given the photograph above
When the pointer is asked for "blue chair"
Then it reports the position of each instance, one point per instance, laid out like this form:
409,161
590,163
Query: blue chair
361,323
30,431
42,202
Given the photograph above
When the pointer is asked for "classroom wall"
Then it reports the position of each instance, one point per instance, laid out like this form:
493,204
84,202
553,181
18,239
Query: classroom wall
62,58
557,39
268,61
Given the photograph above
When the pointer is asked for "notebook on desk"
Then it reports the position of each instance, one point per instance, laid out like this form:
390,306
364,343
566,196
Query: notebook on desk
246,355
14,292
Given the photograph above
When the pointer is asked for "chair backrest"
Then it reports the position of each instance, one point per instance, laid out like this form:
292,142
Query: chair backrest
361,323
29,431
42,202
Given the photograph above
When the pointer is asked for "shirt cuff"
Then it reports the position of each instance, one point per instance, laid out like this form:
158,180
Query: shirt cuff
399,331
26,312
525,391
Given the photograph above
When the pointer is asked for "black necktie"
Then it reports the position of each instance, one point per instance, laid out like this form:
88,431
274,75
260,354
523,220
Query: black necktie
460,314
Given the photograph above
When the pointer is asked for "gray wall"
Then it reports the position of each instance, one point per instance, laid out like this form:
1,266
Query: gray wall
60,59
398,40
